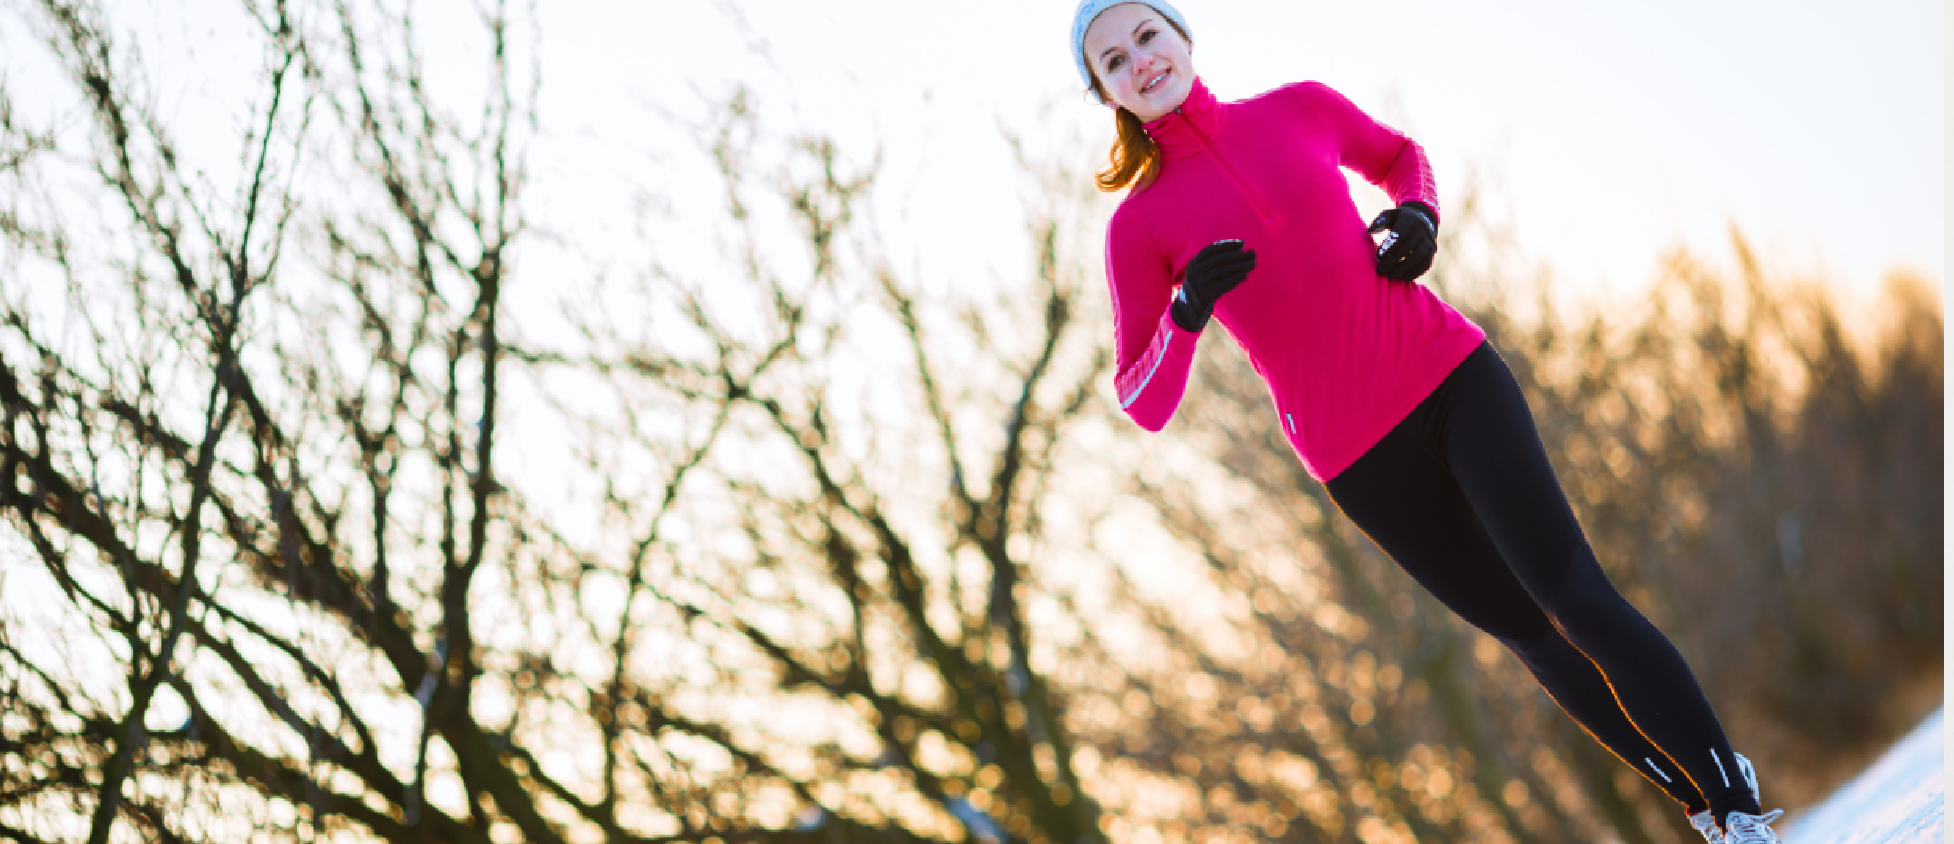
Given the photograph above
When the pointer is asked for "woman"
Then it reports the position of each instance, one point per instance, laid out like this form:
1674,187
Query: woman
1239,212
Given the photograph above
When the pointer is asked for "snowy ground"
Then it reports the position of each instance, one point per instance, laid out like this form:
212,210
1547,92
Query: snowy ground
1901,799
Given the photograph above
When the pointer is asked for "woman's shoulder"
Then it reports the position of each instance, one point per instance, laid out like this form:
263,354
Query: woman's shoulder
1310,103
1130,218
1134,231
1305,92
1298,103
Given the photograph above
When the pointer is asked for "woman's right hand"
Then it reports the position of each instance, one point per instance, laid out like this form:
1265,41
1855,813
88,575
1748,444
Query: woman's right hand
1216,269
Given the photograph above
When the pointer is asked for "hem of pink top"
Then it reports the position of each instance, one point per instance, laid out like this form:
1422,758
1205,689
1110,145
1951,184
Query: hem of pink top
1397,414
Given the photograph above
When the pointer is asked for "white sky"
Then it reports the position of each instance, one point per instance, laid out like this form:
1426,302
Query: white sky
1607,131
1603,133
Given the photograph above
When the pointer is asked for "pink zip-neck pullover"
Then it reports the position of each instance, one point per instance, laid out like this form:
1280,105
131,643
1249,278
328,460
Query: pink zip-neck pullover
1346,352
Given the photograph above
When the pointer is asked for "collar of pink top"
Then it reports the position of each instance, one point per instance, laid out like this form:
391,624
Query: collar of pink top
1189,129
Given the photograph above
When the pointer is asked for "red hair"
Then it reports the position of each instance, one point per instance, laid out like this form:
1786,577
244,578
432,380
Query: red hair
1135,158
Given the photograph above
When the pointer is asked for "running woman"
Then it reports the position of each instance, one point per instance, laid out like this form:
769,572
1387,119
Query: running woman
1389,396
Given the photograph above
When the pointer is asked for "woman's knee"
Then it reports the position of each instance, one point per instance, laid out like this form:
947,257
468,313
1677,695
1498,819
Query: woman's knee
1587,608
1548,650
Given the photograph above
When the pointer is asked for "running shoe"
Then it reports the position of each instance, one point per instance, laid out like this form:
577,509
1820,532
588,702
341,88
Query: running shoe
1752,829
1746,828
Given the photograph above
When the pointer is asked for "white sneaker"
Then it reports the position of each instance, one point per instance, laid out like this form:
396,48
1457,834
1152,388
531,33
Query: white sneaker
1752,829
1745,828
1706,823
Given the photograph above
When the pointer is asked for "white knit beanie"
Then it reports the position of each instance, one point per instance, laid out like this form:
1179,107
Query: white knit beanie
1090,9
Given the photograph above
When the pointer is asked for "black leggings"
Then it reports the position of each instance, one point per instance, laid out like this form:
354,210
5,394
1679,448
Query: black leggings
1461,495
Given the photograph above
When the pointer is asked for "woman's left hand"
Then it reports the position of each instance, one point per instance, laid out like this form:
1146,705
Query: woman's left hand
1410,242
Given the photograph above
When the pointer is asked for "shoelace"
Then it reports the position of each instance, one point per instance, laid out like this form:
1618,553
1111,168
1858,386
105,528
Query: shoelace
1752,829
1748,771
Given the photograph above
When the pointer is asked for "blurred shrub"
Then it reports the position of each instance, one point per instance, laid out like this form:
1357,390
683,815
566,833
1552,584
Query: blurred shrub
1769,489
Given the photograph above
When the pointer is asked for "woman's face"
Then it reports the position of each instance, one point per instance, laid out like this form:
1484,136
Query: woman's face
1140,60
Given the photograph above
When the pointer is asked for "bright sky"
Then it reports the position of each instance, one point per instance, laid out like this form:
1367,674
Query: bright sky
1606,132
1603,133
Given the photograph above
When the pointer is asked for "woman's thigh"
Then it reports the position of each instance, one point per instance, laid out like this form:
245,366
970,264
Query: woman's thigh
1408,503
1499,463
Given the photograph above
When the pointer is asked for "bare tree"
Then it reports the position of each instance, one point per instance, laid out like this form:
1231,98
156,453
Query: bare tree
355,622
1762,485
226,528
879,565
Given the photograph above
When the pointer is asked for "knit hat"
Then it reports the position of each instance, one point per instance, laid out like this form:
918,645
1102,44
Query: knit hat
1090,9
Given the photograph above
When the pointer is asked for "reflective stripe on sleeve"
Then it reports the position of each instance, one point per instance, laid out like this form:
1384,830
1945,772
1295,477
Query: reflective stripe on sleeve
1127,401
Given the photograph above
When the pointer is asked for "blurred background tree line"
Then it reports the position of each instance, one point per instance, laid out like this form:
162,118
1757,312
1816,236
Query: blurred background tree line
839,559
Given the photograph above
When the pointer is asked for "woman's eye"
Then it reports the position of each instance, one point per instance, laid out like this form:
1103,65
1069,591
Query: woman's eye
1147,35
1114,62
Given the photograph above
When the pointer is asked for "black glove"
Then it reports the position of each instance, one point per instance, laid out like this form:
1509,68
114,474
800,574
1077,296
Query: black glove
1213,271
1407,250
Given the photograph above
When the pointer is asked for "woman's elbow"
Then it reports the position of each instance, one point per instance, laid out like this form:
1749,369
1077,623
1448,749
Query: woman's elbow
1149,418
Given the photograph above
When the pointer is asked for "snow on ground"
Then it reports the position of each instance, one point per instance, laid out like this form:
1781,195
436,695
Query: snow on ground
1901,799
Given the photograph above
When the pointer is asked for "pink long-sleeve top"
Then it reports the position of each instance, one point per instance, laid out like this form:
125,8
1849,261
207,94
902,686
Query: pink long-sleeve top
1346,353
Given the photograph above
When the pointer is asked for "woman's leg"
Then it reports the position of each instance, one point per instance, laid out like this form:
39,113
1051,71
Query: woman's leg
1408,503
1485,434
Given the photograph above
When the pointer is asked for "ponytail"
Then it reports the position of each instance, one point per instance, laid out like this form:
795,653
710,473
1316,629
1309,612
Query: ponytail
1135,157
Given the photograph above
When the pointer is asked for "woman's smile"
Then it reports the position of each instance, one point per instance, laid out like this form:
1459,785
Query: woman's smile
1143,64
